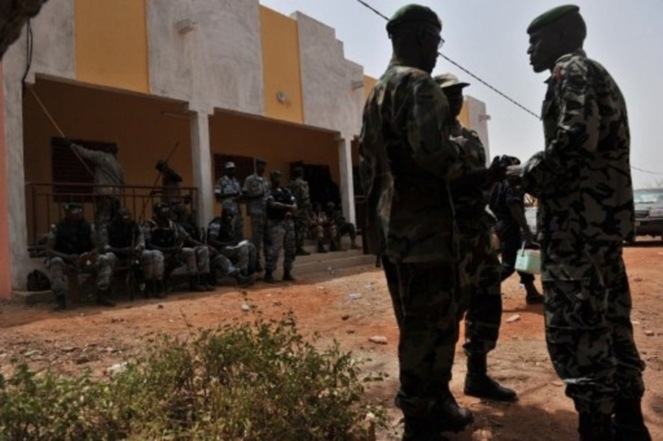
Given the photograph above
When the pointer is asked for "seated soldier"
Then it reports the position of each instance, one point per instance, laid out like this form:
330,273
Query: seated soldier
178,247
343,227
72,249
236,258
125,245
322,228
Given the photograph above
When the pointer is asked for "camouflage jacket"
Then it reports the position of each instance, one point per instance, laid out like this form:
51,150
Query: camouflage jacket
256,188
299,189
583,177
228,189
406,159
470,202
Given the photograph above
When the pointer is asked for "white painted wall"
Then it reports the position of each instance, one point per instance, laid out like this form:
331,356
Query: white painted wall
478,121
216,64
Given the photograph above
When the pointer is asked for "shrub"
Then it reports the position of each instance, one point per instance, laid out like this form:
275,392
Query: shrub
241,382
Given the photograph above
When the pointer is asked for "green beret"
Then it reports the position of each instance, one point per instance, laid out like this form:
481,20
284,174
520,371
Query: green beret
551,16
449,80
413,14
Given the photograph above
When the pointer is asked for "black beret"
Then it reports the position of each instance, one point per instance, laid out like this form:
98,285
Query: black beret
551,16
413,14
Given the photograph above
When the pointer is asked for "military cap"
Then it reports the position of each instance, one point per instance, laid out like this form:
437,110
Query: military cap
261,161
449,80
552,16
230,164
68,206
413,14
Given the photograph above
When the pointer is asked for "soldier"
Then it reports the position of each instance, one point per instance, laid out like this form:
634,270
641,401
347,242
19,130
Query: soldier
177,246
109,178
300,191
406,159
582,180
170,182
343,227
228,191
235,259
281,229
126,245
255,190
479,264
322,227
507,202
71,249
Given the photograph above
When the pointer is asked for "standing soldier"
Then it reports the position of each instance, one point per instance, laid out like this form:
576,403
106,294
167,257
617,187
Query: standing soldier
479,264
300,191
281,229
126,245
582,180
177,246
255,190
170,182
109,180
406,159
71,249
228,191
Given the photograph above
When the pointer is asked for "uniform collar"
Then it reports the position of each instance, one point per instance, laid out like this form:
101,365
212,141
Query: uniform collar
564,58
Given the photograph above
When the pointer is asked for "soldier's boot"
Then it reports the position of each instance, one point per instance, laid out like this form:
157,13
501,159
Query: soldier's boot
60,300
450,417
532,295
302,252
194,284
150,289
595,427
207,281
269,277
479,384
628,423
287,276
160,288
321,247
420,429
104,297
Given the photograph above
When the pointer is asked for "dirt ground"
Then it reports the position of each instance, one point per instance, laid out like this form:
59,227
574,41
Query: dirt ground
352,306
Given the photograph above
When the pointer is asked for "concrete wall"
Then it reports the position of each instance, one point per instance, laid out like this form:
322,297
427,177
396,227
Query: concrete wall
477,120
5,253
218,63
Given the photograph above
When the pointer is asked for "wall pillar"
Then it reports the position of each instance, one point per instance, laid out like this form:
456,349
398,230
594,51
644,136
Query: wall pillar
5,253
201,162
347,184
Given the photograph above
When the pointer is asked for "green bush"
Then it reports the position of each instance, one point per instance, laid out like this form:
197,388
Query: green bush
243,382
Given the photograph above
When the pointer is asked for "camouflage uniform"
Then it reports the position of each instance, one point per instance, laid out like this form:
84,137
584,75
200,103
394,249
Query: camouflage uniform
236,255
230,186
75,238
583,183
256,189
109,175
300,191
479,266
406,159
171,235
281,231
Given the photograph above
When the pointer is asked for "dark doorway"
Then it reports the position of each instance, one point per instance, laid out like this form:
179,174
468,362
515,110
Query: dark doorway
322,187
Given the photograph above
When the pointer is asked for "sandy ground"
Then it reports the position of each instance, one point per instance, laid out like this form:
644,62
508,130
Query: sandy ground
351,307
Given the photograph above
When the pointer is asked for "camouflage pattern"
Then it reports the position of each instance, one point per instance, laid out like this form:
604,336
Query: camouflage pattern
583,183
322,227
281,230
228,186
407,157
223,266
196,259
151,263
479,266
59,270
300,191
256,188
242,254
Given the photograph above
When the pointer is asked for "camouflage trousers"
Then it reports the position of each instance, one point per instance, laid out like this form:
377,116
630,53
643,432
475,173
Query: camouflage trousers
258,233
196,260
281,236
320,232
151,263
242,255
426,309
301,228
589,333
223,266
106,207
238,219
481,299
59,270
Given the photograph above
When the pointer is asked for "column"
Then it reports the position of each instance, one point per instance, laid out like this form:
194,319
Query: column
347,185
5,253
201,161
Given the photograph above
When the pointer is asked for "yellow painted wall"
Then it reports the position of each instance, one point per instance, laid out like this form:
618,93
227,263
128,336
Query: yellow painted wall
111,43
464,116
369,84
142,132
281,73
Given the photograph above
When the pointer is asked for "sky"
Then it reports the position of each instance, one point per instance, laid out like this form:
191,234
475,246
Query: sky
488,38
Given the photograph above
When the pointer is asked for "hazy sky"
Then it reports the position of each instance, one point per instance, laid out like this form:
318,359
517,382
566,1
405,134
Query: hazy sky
488,38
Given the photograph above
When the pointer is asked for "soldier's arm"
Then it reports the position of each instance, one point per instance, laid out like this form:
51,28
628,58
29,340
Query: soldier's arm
50,247
428,127
94,156
217,190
